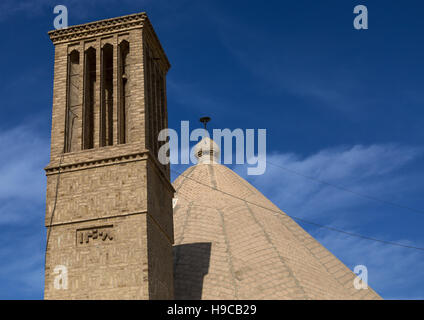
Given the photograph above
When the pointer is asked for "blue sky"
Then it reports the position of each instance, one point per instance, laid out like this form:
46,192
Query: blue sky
340,105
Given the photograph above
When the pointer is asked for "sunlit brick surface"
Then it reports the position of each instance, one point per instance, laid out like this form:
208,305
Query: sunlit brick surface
112,226
229,248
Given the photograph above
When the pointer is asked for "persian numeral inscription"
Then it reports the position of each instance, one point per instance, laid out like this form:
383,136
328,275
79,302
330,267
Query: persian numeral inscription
89,235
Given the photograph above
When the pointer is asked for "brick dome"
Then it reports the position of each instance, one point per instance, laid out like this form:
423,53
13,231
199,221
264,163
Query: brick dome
228,246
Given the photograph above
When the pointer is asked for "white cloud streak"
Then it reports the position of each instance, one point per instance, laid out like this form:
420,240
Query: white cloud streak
76,9
374,170
390,269
22,179
367,170
22,196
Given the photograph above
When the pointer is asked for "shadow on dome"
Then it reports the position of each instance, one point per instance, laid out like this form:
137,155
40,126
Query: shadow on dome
192,259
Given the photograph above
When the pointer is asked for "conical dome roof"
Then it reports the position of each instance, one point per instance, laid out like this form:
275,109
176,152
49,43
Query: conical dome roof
229,246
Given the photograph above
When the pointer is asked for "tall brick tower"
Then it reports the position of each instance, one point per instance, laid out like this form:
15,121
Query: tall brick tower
109,200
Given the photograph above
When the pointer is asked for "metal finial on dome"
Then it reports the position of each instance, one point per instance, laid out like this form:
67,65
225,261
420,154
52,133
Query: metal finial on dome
205,120
206,151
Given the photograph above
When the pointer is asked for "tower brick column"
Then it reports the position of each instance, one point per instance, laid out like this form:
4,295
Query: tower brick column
108,209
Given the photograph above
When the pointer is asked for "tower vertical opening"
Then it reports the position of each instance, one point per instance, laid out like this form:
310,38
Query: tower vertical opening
106,111
89,98
149,100
73,100
124,92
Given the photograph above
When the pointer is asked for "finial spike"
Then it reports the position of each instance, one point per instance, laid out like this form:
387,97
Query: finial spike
205,120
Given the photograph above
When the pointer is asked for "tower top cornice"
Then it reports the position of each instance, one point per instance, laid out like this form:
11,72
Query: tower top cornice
98,27
104,27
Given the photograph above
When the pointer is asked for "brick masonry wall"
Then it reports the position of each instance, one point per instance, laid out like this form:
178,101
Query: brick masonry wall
160,235
114,268
112,226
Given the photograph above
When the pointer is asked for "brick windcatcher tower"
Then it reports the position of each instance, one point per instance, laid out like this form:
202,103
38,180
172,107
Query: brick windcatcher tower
109,200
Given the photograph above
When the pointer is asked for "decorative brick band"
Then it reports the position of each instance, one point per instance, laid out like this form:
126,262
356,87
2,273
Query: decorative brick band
76,166
96,163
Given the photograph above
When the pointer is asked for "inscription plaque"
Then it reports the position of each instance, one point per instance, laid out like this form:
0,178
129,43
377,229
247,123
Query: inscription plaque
94,234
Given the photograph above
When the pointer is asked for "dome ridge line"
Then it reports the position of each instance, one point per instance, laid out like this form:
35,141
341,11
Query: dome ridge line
229,256
290,271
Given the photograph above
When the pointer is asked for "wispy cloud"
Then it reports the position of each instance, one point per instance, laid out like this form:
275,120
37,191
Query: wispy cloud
191,95
375,170
364,169
299,65
22,197
25,154
10,8
76,9
21,273
390,269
